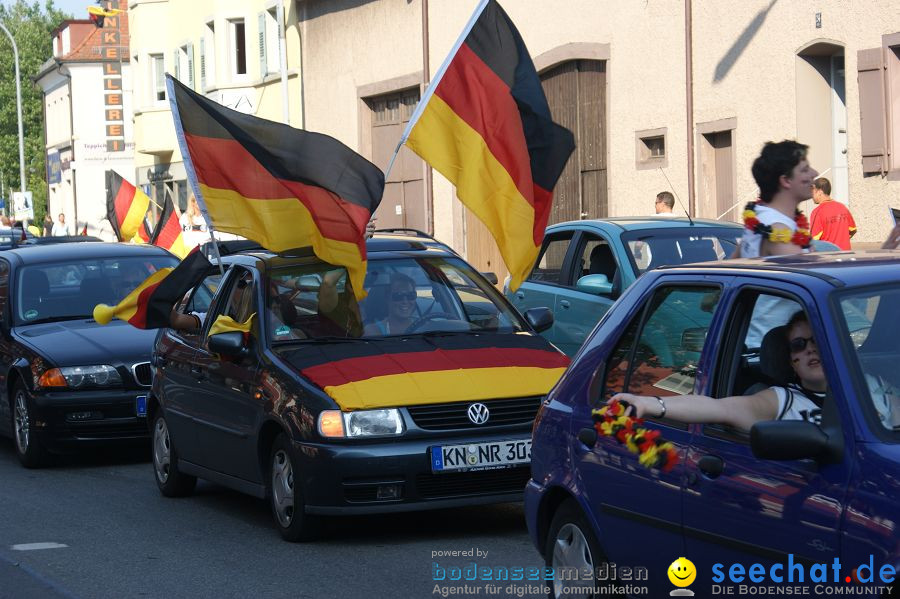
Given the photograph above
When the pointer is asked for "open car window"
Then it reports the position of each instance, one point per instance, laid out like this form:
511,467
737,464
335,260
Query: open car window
649,249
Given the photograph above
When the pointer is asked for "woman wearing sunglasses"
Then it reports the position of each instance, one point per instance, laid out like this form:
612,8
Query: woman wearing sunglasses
401,301
793,401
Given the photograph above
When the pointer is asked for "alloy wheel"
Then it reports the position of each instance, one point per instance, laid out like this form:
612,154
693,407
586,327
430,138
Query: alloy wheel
22,422
162,450
283,487
570,551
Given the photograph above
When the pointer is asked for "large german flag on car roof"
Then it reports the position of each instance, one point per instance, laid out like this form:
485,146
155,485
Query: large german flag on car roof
418,371
279,186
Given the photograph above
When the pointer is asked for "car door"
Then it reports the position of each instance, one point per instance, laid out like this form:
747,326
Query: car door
7,351
657,352
550,276
577,312
227,410
739,508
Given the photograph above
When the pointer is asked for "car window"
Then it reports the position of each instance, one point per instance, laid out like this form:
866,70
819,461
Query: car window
69,289
198,300
549,265
652,248
241,303
597,258
871,321
662,358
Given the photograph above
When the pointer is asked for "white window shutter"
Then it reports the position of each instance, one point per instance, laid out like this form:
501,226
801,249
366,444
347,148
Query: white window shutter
263,66
190,65
202,63
177,61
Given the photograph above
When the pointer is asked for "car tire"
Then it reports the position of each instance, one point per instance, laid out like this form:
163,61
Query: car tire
170,480
285,496
571,543
29,448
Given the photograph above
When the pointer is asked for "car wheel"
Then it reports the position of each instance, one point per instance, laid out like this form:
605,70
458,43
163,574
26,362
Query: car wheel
170,480
285,496
29,449
571,544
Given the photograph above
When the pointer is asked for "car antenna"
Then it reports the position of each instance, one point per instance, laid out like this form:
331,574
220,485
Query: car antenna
680,203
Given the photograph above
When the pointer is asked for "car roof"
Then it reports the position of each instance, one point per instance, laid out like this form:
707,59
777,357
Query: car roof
37,254
853,268
634,223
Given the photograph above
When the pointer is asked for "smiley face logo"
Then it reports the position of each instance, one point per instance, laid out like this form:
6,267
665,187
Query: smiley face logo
682,572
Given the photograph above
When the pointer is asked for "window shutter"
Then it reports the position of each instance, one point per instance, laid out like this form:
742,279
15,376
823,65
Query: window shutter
872,121
202,63
190,65
177,61
263,67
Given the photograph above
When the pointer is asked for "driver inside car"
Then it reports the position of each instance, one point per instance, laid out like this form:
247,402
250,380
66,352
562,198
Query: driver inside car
401,301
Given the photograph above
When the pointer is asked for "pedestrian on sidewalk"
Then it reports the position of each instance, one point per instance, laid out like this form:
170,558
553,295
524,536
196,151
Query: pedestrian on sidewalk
830,220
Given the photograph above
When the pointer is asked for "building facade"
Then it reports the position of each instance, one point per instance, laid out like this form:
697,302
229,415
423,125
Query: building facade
88,119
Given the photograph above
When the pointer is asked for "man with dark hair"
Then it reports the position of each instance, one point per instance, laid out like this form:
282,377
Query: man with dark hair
830,220
665,202
785,179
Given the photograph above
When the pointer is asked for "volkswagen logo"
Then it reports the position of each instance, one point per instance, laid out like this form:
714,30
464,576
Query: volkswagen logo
478,413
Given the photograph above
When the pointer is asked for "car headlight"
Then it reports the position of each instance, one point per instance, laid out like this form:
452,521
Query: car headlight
79,377
362,423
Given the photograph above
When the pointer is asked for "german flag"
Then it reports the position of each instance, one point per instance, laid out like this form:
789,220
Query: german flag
412,371
168,231
484,123
279,186
126,207
150,305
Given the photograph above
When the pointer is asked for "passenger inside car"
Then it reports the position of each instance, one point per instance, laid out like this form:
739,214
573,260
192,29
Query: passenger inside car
800,400
401,308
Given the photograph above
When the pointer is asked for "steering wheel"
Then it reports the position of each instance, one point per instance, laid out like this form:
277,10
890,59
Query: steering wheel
417,323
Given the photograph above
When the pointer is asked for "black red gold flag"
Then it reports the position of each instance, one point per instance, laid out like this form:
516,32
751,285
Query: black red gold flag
126,208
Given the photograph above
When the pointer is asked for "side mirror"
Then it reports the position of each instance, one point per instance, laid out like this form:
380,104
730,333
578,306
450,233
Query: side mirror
594,284
491,277
692,339
788,440
540,319
228,344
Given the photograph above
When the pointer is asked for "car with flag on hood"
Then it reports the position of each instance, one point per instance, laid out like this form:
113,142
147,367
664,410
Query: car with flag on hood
419,396
67,381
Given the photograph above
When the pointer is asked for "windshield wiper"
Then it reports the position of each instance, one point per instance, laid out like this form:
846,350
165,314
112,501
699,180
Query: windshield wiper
57,319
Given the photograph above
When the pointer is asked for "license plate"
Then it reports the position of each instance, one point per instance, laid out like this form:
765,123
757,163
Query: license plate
140,405
480,456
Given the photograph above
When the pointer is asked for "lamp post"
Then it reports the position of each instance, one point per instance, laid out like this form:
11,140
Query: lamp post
19,109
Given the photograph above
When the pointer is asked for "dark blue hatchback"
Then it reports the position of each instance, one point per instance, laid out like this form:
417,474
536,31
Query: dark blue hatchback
777,507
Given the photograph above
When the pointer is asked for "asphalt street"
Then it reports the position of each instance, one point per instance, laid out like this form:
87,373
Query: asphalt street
105,531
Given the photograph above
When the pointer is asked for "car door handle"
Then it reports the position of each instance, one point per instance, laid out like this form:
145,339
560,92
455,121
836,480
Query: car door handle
564,304
198,372
710,465
520,294
588,436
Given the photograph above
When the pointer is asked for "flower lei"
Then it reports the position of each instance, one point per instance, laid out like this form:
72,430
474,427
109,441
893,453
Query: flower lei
799,237
653,451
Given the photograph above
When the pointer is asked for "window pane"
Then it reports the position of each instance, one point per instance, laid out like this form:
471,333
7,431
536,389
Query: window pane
240,48
548,268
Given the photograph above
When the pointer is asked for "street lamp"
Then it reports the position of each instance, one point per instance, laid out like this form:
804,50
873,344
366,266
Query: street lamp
19,108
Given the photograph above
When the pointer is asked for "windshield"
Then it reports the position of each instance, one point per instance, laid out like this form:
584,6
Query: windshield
871,321
406,296
652,248
70,290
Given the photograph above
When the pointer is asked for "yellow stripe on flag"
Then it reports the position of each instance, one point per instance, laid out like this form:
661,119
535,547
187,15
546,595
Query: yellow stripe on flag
442,386
127,308
277,225
226,324
458,152
135,215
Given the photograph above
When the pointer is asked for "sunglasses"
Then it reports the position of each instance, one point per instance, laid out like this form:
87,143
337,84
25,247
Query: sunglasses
400,296
798,344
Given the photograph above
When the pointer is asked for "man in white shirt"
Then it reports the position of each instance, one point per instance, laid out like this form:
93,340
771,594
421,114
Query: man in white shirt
60,228
665,203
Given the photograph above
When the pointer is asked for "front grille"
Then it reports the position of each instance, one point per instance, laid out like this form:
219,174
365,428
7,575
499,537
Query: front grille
143,374
462,484
440,417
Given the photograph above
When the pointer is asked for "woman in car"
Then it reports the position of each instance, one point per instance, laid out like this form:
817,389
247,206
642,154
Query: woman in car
401,302
793,401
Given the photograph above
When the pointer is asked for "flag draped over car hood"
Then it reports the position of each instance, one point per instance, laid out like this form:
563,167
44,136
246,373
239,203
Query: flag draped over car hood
416,371
484,123
279,186
150,304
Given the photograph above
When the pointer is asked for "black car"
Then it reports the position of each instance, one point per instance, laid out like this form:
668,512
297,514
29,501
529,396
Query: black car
68,381
294,391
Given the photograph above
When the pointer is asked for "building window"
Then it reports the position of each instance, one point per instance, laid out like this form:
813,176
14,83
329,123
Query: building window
185,64
158,76
238,46
269,43
650,151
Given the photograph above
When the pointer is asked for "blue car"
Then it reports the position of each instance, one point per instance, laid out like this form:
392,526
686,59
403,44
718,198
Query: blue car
585,265
818,502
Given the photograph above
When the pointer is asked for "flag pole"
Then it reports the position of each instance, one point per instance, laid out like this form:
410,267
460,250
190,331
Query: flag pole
429,91
189,169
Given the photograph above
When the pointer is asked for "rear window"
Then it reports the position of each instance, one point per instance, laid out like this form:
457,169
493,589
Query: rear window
652,248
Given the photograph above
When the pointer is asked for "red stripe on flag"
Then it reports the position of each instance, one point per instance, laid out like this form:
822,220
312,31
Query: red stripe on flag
226,164
143,301
358,369
480,98
123,200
